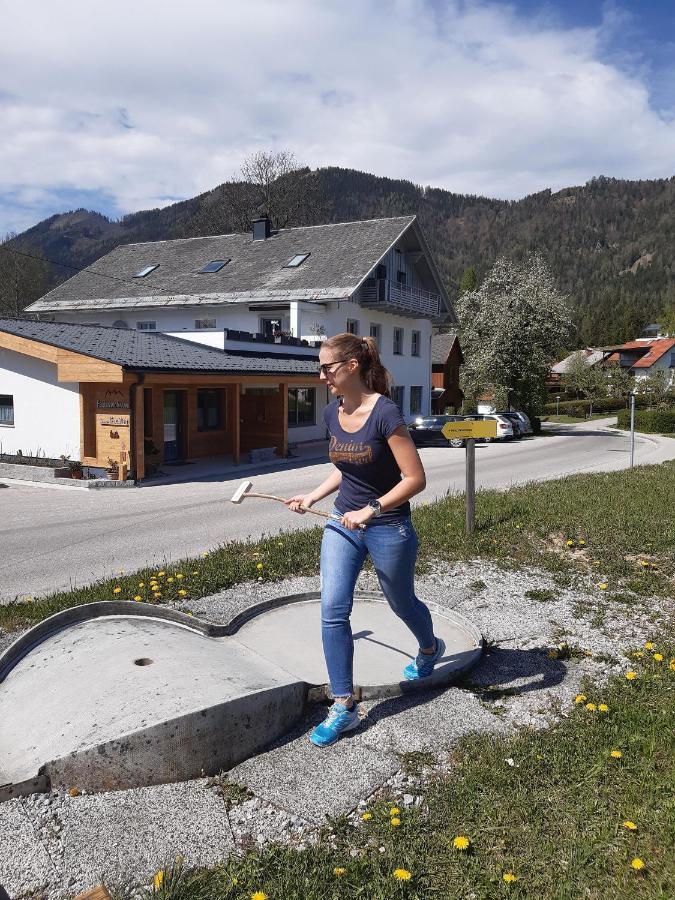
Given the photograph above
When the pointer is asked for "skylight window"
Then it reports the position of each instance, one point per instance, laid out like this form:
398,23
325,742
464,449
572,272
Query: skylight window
146,271
296,261
214,266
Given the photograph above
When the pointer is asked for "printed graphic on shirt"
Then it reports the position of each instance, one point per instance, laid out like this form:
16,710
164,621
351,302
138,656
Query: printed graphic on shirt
354,452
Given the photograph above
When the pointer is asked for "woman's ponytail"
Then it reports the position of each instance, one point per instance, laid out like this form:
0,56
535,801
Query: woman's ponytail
374,374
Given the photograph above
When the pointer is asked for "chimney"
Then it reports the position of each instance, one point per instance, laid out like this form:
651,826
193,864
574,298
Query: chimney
261,229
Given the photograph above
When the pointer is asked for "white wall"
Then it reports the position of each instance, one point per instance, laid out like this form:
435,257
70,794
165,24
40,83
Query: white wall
46,413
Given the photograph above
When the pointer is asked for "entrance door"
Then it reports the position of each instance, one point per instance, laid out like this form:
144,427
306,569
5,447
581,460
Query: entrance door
173,448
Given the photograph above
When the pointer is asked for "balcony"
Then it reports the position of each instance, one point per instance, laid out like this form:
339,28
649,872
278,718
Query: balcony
382,293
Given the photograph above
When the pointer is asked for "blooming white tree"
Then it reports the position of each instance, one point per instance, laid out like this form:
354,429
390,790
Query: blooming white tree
512,327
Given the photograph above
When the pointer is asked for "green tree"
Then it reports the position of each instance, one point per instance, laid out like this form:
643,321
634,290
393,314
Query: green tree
658,387
511,328
667,320
24,276
469,280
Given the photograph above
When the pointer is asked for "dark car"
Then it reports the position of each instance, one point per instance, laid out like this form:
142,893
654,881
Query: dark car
426,431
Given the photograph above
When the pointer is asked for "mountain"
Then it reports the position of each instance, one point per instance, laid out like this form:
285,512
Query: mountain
609,242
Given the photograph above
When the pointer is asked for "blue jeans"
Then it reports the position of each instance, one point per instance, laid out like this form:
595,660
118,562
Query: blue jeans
393,550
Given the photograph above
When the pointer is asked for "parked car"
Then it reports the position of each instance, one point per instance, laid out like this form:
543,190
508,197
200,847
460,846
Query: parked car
426,431
505,428
518,424
525,424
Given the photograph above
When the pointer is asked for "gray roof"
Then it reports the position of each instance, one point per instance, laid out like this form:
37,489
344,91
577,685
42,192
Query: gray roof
341,257
441,345
154,351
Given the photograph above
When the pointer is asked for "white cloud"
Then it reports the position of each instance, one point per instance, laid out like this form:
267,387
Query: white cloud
143,103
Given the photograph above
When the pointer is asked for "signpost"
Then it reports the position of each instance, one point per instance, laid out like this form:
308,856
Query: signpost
469,430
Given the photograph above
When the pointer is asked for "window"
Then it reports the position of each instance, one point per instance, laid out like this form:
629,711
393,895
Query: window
205,323
146,271
353,326
214,266
376,333
296,260
401,277
6,409
398,341
415,399
415,344
301,405
209,410
397,395
146,326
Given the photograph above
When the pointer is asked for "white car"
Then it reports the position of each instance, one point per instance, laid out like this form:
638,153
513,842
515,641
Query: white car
504,427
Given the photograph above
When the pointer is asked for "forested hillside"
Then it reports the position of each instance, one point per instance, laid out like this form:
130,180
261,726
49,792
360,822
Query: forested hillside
609,243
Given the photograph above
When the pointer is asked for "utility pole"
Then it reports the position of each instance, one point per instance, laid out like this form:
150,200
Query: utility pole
632,428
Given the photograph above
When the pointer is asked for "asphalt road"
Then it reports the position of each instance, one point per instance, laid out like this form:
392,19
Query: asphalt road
51,539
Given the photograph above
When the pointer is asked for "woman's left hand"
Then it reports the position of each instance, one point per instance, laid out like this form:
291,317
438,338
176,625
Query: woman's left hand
352,520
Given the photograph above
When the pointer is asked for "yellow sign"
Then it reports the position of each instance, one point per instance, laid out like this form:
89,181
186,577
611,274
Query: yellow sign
470,428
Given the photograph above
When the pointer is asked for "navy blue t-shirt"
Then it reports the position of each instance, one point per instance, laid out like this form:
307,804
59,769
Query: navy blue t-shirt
369,469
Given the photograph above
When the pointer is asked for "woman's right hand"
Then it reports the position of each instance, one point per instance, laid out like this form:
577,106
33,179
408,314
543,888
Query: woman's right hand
299,500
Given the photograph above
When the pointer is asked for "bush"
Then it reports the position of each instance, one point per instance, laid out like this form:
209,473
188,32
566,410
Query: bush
581,408
652,421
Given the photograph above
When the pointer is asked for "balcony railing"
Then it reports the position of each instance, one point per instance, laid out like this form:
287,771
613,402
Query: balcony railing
381,293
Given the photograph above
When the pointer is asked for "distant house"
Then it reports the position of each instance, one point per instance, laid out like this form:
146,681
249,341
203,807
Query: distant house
211,344
446,358
646,356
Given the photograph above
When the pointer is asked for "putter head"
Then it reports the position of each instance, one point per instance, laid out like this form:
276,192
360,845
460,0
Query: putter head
241,492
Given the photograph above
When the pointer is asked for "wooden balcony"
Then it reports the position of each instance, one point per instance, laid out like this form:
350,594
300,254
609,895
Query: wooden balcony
382,293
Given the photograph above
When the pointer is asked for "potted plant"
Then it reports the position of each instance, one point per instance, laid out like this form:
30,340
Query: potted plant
75,469
113,470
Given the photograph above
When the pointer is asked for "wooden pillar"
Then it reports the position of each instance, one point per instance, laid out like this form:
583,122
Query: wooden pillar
283,389
139,432
236,422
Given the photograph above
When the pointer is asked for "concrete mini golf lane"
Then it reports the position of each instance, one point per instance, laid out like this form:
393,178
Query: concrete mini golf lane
117,695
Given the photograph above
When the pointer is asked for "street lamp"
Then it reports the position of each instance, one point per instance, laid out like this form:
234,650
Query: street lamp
632,428
557,404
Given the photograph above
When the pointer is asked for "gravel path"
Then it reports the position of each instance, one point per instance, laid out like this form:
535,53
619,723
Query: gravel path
55,845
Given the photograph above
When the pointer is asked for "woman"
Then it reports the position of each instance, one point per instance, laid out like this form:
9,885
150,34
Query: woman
377,471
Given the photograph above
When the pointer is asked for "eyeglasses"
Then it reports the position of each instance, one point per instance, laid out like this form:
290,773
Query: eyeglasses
325,368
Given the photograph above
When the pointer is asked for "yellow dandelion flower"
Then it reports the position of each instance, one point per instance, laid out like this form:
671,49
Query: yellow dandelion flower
508,877
141,584
631,676
394,811
259,895
461,842
158,879
602,707
402,875
138,597
637,864
638,654
658,657
339,871
161,574
644,563
582,543
395,821
603,586
157,594
671,665
367,816
117,590
580,698
280,543
205,554
169,580
182,593
591,707
259,566
570,543
179,575
631,826
196,572
649,645
616,754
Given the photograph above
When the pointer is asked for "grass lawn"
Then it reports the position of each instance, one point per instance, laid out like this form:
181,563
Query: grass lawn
618,527
576,420
586,810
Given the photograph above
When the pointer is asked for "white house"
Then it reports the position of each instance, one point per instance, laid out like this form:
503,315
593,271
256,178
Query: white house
267,297
647,356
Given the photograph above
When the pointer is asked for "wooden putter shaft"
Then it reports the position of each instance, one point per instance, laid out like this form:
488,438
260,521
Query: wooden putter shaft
316,512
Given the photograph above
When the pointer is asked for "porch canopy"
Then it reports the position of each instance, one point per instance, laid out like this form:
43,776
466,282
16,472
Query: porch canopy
124,377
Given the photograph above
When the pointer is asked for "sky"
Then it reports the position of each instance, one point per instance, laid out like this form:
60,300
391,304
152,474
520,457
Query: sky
128,105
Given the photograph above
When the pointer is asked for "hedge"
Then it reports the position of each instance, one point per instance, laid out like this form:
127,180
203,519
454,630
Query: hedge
652,421
581,408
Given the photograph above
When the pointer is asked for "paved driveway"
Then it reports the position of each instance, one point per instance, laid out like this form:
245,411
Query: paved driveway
51,538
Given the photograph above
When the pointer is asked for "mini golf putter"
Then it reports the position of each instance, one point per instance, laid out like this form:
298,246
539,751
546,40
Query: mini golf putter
244,490
119,694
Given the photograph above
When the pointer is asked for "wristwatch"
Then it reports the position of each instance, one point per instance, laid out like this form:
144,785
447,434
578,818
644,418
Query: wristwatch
376,507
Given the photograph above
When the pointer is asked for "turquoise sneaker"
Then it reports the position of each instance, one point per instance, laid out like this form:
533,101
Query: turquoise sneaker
338,720
423,666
